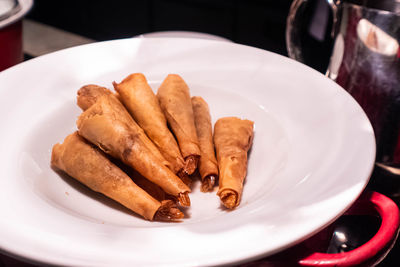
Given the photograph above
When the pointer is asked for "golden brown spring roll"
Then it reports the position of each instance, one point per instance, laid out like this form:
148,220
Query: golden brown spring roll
208,166
151,188
88,95
233,138
142,104
90,166
101,124
174,98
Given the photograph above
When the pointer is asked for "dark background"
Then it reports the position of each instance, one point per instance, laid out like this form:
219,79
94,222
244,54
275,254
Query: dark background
255,23
252,22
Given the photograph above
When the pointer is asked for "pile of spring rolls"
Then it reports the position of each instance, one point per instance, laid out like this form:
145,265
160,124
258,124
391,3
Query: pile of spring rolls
142,149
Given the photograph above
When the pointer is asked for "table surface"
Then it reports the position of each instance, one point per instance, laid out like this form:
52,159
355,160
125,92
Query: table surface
40,39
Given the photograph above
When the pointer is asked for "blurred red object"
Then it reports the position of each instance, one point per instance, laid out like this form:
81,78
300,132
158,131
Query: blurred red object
11,45
372,252
307,253
11,14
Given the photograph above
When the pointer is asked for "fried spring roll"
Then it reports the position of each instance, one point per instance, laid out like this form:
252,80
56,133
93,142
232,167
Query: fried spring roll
102,125
151,188
142,104
208,166
233,138
91,167
174,98
89,94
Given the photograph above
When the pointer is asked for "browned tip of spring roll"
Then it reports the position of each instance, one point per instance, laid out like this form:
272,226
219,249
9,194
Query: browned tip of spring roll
191,163
208,166
184,199
185,177
168,212
141,102
233,138
229,198
90,166
207,183
174,99
101,124
87,95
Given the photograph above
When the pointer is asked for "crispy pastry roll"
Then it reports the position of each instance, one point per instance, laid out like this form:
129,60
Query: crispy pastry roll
208,167
87,164
88,95
233,138
151,188
102,125
174,98
142,104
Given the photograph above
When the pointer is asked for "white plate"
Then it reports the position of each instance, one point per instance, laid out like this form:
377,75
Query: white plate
312,156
